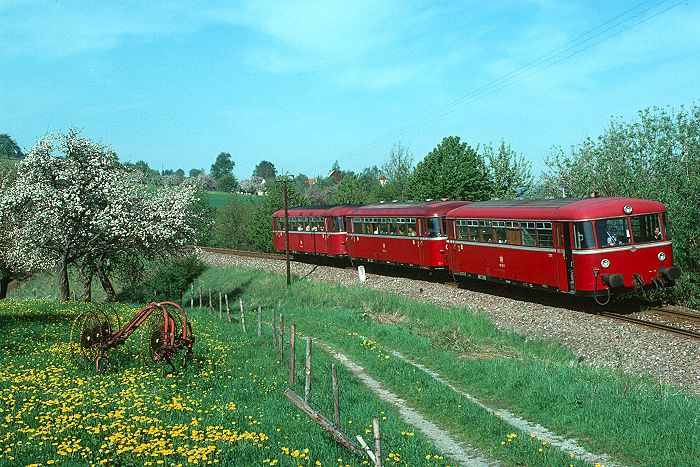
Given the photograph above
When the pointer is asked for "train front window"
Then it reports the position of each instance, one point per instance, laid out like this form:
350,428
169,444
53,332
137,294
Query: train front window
583,236
666,230
646,228
434,227
612,232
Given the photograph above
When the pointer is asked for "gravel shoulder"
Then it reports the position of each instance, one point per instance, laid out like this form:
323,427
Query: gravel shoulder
600,342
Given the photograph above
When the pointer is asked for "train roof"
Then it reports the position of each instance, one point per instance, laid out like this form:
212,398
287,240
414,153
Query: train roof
556,208
426,208
317,210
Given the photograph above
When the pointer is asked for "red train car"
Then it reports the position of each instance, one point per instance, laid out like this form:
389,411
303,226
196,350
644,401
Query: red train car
318,230
585,246
410,234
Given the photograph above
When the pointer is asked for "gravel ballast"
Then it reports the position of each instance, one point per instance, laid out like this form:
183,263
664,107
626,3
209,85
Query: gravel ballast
599,341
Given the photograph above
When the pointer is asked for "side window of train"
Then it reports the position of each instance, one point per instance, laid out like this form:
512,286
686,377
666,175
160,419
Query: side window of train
666,228
433,226
513,234
529,233
485,232
545,237
583,236
461,229
473,230
499,230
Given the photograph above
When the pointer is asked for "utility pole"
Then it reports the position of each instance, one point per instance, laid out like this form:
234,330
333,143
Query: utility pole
286,231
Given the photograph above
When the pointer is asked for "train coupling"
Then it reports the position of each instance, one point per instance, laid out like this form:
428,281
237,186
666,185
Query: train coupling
671,273
613,280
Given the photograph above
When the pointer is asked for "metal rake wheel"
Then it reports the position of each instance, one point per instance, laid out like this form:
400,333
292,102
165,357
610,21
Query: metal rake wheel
86,336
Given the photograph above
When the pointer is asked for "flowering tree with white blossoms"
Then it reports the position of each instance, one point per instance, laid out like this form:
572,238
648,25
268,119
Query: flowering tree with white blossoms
11,267
77,208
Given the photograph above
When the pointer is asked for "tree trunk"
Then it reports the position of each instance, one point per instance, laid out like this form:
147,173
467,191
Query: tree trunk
87,285
4,282
63,285
106,284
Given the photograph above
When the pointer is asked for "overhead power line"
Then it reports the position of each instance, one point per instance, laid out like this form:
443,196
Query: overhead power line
603,32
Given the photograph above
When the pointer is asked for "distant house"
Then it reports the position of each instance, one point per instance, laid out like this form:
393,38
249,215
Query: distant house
382,180
336,176
310,181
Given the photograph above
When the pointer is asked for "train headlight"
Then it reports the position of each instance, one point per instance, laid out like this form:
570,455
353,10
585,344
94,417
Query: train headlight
627,209
605,263
661,256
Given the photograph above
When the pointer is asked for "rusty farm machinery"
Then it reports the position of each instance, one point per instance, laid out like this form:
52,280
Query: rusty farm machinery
165,330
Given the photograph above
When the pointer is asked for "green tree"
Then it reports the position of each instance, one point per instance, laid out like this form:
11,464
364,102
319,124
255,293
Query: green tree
9,149
271,202
453,170
398,170
227,183
266,170
656,157
223,165
232,225
196,173
362,188
511,174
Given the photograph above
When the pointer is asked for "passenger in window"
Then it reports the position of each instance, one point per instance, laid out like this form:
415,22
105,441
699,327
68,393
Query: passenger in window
657,234
308,227
613,240
411,232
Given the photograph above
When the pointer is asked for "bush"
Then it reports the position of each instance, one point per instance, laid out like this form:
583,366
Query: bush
167,278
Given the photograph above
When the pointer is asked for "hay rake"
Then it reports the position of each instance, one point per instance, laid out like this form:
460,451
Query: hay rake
165,331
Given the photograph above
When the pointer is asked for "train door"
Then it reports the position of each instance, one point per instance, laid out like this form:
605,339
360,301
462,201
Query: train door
453,233
423,256
565,263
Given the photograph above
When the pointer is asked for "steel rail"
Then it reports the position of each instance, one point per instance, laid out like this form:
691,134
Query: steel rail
650,324
247,254
683,314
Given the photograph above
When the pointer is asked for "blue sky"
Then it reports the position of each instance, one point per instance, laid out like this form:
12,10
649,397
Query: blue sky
303,84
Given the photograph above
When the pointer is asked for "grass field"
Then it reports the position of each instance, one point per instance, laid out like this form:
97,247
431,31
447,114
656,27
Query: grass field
226,407
635,420
219,199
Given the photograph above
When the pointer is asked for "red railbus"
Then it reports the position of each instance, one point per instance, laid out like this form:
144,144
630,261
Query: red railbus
410,234
318,230
585,246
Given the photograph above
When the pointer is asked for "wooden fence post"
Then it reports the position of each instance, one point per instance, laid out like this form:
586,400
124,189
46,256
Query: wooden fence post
259,322
200,296
228,311
377,443
220,315
292,339
281,338
336,405
274,328
240,301
192,295
323,422
307,385
210,308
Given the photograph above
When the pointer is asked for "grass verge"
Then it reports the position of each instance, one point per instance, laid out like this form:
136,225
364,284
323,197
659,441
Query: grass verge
225,408
635,420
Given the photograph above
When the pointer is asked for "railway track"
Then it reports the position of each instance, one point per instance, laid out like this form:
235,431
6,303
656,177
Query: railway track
247,254
606,314
653,325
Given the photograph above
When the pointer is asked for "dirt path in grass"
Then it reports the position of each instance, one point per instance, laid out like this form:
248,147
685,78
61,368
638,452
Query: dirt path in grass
441,438
463,454
542,433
